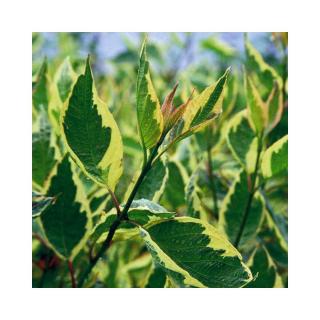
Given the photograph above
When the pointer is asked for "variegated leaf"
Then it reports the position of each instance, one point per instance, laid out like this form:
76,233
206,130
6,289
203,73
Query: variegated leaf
64,78
264,270
274,241
274,106
195,254
150,120
141,212
91,134
266,74
275,159
199,112
153,184
40,203
67,222
242,141
233,211
43,152
257,109
40,88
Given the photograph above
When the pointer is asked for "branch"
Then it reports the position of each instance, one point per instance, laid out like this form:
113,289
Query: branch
122,216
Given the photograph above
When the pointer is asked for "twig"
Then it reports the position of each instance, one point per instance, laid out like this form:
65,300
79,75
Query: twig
71,271
251,195
115,201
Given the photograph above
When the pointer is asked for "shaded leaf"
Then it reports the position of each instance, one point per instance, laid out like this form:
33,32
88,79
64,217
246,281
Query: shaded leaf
263,267
67,221
40,203
39,90
43,153
242,141
233,210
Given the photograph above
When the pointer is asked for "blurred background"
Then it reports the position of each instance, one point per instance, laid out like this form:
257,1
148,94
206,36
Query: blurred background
170,52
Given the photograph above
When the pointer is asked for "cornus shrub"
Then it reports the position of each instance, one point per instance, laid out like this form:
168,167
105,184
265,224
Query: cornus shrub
185,191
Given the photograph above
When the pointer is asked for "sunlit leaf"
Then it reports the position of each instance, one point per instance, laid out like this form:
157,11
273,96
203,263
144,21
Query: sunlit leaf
148,106
275,159
266,74
257,109
195,254
141,212
64,79
91,134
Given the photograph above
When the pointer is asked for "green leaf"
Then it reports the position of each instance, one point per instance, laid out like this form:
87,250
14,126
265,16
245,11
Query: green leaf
267,75
91,134
39,89
274,241
40,203
193,195
141,211
242,141
218,47
150,120
174,190
262,265
200,112
195,254
207,105
43,153
67,221
257,110
157,278
233,209
275,159
154,183
274,106
139,270
64,79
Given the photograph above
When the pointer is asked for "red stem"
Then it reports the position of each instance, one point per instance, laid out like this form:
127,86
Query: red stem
71,270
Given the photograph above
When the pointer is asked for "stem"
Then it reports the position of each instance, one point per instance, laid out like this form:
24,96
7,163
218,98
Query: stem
251,195
211,177
122,216
115,201
71,271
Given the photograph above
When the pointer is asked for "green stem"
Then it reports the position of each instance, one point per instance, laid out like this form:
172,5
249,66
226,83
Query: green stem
251,195
122,216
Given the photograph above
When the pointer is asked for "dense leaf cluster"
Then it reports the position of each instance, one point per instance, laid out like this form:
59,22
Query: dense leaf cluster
195,196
